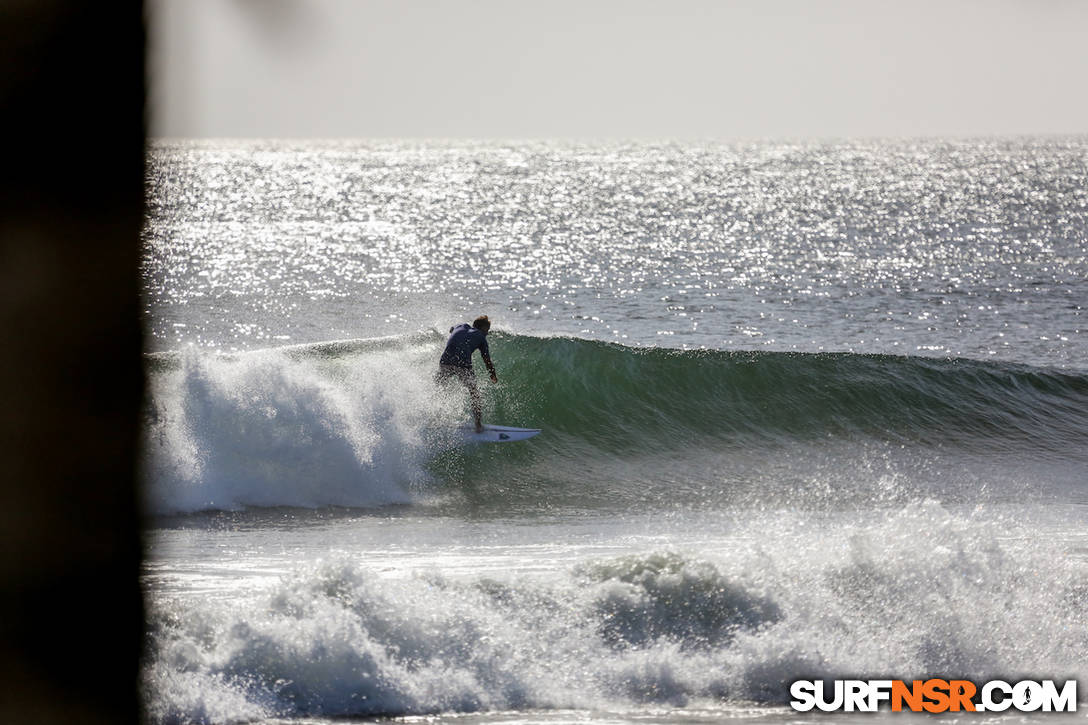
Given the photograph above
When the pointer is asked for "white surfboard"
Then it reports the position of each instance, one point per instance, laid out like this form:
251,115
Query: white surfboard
498,434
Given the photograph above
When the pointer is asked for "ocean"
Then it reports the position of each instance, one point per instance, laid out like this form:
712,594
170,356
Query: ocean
810,410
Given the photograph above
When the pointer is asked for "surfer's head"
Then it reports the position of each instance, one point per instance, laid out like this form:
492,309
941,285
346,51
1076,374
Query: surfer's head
482,324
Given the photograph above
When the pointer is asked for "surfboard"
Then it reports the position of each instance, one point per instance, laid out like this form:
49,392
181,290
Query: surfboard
498,434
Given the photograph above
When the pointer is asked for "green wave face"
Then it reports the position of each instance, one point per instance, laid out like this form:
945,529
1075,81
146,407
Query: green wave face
363,423
626,398
651,428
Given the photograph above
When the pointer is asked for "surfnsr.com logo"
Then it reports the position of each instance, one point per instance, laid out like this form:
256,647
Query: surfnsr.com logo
934,695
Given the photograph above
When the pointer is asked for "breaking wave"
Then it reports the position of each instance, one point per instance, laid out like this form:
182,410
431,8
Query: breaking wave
363,423
338,639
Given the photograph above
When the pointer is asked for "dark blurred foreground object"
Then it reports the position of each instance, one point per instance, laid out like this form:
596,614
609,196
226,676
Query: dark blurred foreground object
72,95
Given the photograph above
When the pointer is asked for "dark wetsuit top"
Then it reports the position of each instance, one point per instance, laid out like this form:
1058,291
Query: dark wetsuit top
463,341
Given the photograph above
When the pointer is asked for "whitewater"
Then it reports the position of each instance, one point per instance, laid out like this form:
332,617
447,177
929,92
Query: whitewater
810,410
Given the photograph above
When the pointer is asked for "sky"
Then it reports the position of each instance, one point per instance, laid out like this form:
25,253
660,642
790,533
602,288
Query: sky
616,69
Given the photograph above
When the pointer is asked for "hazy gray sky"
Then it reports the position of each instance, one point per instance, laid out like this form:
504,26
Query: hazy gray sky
617,68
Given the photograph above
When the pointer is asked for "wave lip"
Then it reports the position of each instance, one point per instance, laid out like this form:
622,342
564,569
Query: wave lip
269,429
362,423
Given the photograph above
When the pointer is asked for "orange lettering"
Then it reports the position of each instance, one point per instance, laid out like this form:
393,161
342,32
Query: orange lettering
911,695
961,692
937,692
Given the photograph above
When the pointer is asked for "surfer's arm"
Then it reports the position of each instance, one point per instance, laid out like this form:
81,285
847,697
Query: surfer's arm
490,367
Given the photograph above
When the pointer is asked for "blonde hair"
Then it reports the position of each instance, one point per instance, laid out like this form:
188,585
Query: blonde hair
482,323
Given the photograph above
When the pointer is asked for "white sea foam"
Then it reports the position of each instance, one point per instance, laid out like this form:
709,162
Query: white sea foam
269,428
914,593
826,564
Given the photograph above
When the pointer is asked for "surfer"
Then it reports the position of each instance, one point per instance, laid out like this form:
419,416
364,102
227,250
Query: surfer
456,361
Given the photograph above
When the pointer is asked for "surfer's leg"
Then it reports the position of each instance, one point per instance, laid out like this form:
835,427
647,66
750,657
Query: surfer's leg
468,379
477,407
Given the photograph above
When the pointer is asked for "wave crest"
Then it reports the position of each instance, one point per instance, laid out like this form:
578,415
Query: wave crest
363,423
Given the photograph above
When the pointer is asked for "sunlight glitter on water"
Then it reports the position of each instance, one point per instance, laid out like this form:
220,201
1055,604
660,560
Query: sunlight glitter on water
722,241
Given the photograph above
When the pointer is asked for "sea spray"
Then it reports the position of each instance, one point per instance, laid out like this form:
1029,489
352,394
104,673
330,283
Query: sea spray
862,455
780,599
364,423
268,429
